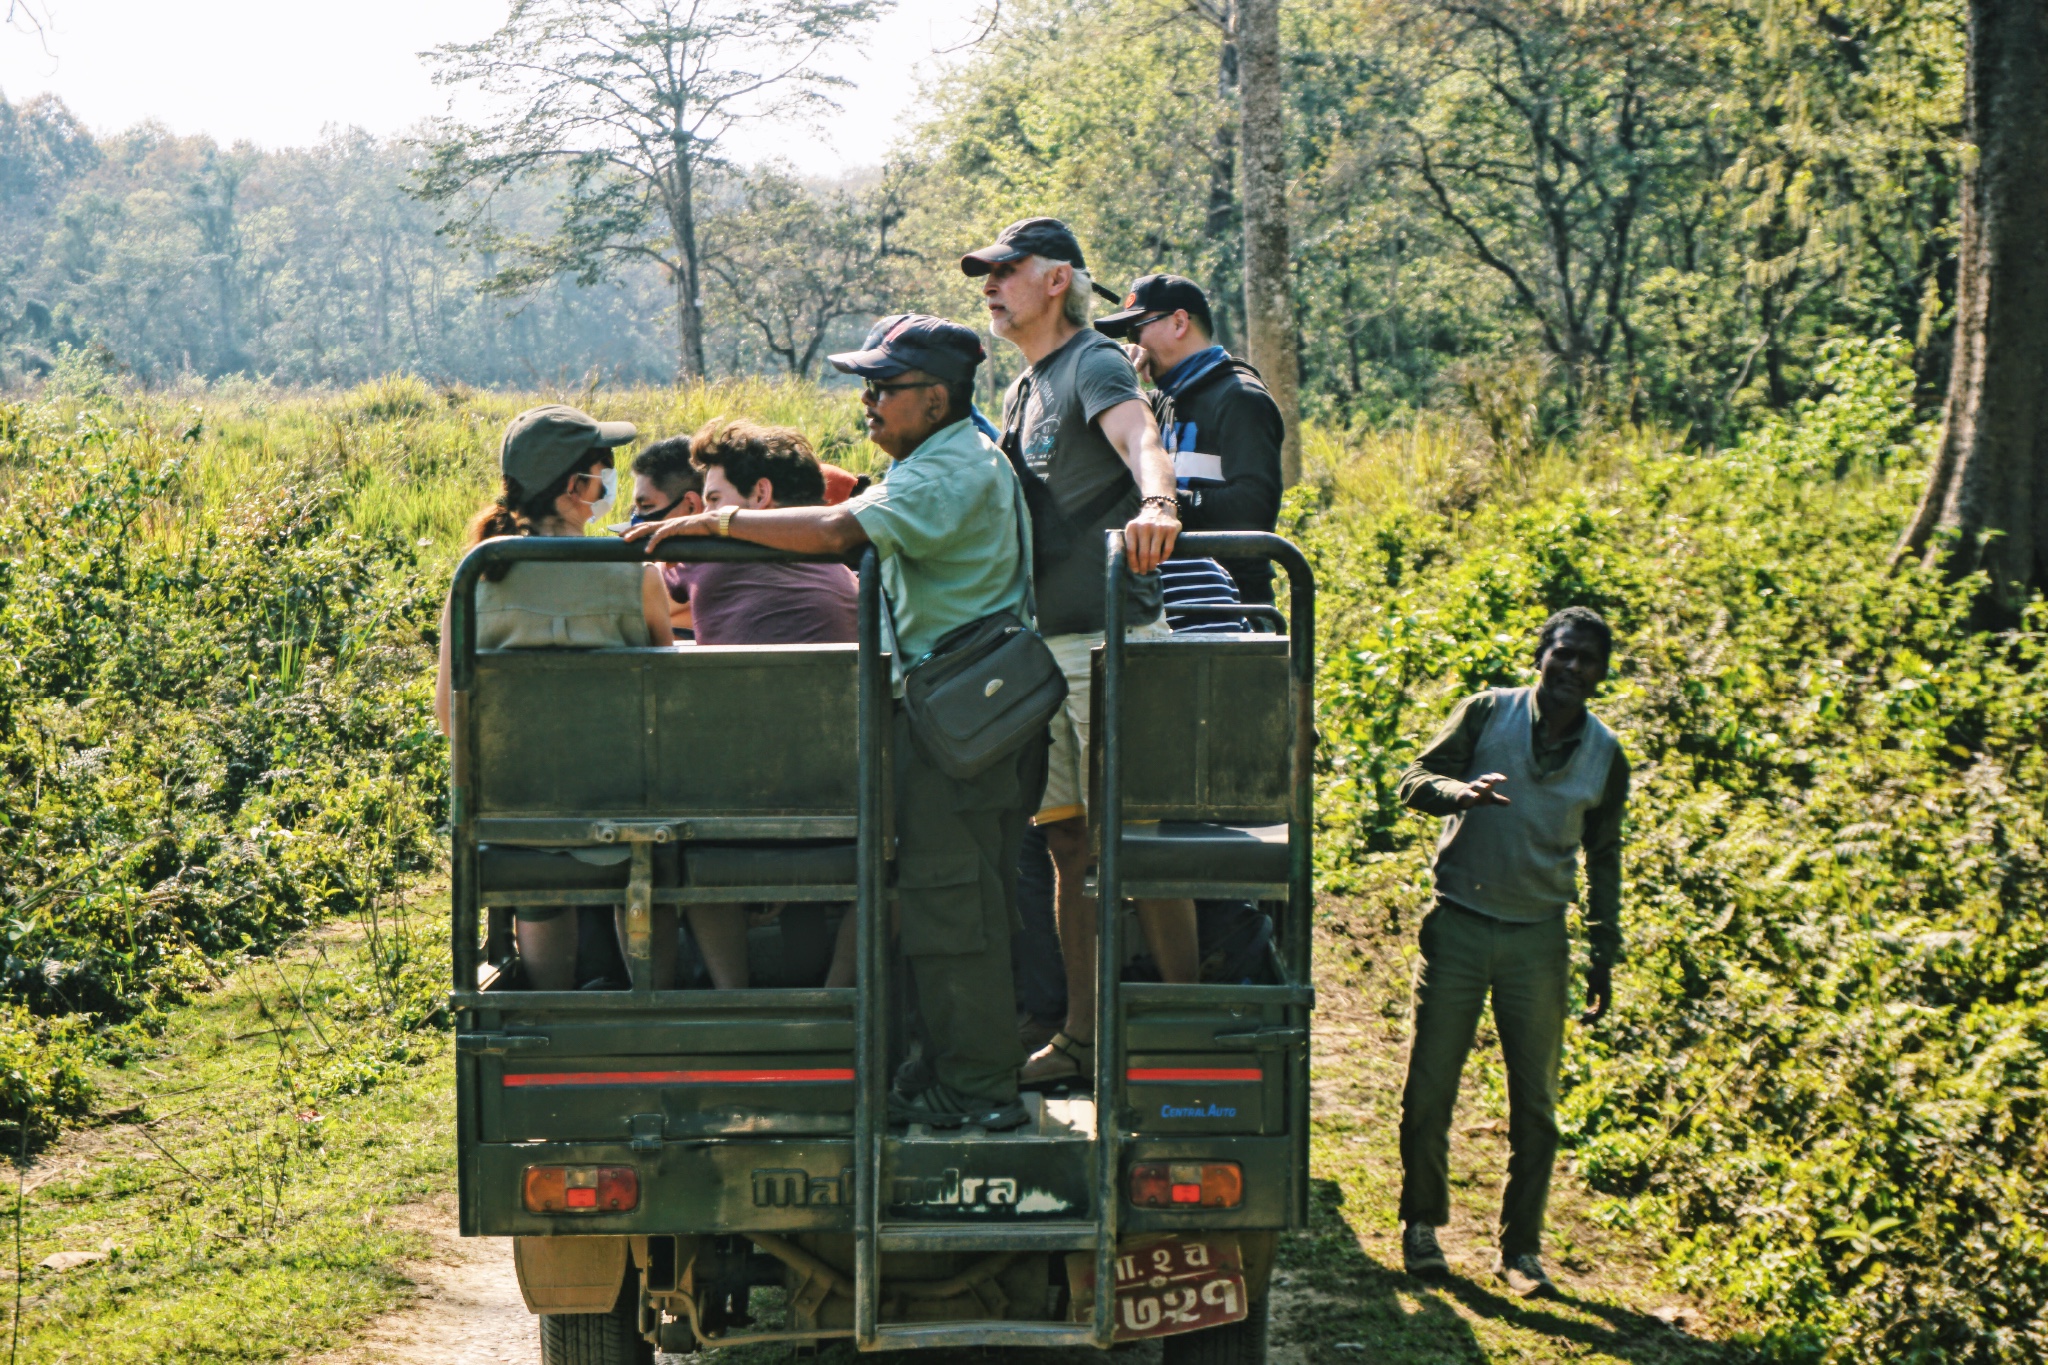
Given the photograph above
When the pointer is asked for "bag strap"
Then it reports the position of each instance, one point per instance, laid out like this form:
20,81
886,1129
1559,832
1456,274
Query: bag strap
1016,492
1013,450
1026,555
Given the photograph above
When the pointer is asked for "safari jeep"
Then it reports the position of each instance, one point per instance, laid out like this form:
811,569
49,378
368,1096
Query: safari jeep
658,1156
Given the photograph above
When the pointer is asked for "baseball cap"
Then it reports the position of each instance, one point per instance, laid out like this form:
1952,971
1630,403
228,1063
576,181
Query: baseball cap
541,444
913,341
1153,295
1047,237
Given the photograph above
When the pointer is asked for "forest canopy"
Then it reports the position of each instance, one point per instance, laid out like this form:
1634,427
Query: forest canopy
1556,212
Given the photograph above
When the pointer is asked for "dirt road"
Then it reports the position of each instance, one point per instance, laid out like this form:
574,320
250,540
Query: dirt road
1339,1296
468,1310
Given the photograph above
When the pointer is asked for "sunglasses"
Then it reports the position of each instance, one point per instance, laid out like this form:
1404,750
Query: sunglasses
873,389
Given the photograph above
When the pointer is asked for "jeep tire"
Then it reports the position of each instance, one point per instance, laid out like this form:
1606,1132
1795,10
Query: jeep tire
598,1338
1234,1343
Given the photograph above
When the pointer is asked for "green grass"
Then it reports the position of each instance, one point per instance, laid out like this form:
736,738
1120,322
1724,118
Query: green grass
1813,1115
238,1178
417,461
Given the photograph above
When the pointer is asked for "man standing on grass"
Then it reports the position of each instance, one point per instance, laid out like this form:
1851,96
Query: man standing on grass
1079,428
1527,777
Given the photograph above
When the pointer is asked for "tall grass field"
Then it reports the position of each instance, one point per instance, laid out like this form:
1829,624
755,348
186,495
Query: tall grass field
1818,1099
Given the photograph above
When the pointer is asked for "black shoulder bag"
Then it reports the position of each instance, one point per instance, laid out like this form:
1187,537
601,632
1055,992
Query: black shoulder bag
984,691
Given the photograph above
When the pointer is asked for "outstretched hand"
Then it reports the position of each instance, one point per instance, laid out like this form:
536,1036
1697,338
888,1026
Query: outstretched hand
655,532
1484,791
1599,993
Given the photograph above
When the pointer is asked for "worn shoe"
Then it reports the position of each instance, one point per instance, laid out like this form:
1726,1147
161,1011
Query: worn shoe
1525,1276
939,1105
1061,1061
1420,1255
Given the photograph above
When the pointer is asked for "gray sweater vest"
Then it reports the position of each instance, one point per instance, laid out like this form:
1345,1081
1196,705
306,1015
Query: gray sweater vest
1521,861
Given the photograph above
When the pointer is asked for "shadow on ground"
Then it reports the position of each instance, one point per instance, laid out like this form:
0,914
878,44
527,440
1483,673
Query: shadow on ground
1338,1303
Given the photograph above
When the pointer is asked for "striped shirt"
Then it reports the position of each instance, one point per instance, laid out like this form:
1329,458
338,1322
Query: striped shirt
1199,582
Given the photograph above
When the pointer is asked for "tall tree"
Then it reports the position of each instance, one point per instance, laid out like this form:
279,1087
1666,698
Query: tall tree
624,103
1544,134
1986,504
791,263
1223,225
1268,267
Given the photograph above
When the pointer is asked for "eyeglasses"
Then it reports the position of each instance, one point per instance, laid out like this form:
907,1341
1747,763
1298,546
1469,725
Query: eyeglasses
872,390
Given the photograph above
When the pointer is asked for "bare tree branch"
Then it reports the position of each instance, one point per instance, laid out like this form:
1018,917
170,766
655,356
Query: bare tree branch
31,18
624,103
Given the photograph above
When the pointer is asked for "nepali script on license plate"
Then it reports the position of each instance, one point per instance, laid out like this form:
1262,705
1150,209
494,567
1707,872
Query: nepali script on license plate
1166,1284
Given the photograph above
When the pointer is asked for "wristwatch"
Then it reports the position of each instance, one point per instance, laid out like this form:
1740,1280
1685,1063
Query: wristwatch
725,516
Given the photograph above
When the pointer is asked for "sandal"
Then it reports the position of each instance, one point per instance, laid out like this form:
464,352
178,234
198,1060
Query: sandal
1060,1061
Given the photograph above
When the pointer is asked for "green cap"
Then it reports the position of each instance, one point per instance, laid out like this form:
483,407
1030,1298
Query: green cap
542,444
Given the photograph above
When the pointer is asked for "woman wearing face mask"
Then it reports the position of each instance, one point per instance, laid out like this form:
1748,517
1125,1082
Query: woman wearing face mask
558,477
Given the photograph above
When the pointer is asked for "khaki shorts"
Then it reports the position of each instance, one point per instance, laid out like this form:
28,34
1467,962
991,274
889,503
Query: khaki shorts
1066,782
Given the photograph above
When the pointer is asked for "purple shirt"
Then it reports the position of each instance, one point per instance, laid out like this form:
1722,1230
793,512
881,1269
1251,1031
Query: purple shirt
768,604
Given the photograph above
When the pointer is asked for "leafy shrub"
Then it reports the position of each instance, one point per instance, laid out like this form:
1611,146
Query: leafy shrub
1823,1082
42,1073
214,721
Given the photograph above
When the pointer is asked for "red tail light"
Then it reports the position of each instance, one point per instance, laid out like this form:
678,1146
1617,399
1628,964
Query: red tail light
1187,1185
581,1189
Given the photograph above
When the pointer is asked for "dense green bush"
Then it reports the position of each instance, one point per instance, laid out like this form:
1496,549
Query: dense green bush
1820,1089
216,629
1822,1086
214,726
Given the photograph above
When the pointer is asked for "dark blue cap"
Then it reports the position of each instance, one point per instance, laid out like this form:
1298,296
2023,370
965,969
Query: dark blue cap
913,341
1047,237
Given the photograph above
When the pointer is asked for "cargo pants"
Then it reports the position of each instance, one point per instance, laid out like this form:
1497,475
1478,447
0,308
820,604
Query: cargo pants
957,847
1526,969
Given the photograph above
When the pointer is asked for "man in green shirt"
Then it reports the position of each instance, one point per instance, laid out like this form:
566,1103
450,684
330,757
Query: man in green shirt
949,527
1526,778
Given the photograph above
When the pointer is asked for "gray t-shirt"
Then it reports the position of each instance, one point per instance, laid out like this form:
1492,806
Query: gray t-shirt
1063,395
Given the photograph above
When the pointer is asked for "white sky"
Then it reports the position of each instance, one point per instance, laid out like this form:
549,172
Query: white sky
275,72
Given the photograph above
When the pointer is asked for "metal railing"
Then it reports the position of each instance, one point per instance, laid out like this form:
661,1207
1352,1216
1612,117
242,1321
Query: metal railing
869,1004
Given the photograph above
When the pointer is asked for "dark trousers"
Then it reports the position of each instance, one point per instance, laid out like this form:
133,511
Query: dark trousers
1525,968
957,845
1035,959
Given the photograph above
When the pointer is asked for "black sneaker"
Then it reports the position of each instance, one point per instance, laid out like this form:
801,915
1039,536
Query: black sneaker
1420,1255
941,1106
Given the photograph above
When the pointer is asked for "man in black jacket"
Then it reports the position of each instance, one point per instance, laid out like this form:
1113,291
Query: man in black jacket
1224,432
1215,416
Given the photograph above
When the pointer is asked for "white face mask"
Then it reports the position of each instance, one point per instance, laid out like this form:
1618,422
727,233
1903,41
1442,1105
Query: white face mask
609,479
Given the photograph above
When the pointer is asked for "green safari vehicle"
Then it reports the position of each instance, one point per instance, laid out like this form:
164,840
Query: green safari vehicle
656,1156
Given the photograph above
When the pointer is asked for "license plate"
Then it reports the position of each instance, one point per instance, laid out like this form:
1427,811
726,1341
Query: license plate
1166,1284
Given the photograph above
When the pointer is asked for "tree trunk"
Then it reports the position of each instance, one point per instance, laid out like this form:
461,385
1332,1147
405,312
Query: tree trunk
1221,226
1986,504
689,277
1262,161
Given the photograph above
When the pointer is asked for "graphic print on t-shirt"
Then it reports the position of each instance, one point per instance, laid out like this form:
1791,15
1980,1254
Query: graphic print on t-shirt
1041,435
